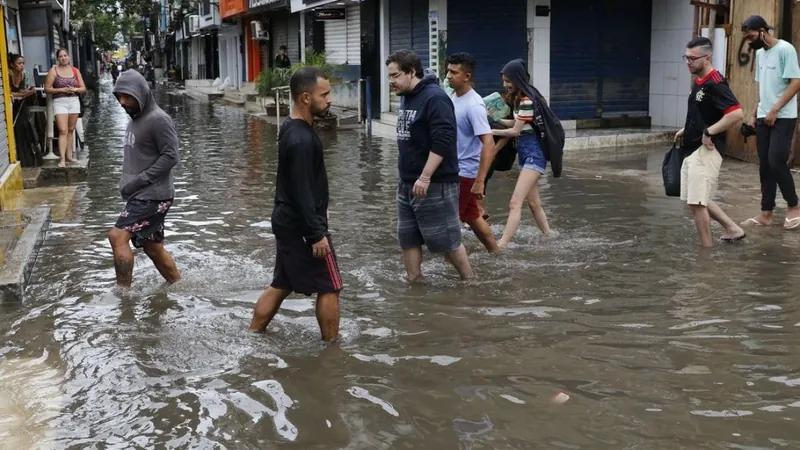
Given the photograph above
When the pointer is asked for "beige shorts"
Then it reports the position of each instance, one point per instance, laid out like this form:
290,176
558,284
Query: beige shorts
699,175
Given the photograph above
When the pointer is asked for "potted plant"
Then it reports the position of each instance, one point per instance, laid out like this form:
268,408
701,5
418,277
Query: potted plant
319,60
266,82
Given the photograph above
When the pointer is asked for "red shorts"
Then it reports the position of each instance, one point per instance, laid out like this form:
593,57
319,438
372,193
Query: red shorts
467,205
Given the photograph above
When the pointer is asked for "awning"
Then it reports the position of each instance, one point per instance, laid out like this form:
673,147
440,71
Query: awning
259,6
302,5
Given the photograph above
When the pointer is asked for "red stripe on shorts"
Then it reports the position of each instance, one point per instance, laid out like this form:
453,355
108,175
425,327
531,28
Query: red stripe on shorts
333,272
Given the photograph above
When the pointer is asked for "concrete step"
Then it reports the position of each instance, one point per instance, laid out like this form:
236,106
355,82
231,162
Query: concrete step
50,174
346,116
17,266
235,97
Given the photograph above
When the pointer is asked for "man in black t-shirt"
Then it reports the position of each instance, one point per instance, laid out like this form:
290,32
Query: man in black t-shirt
713,109
305,261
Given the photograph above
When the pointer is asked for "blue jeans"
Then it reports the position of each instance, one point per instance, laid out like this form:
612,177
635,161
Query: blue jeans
531,155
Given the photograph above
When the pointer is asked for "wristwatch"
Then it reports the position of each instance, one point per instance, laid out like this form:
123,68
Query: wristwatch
706,133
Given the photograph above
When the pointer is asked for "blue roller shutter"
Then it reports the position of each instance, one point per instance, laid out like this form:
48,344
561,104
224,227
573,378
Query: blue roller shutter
493,32
408,30
574,71
626,85
600,58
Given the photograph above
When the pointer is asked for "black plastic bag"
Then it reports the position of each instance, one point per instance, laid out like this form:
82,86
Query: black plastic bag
671,171
504,159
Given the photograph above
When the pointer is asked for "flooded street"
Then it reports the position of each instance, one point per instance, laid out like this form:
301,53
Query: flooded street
658,345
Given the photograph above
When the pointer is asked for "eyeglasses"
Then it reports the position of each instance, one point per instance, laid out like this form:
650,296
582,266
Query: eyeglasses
693,58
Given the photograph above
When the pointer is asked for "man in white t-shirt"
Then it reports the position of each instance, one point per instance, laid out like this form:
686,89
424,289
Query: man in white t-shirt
775,119
475,142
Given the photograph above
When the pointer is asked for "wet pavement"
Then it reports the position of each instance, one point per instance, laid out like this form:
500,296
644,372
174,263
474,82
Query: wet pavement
657,344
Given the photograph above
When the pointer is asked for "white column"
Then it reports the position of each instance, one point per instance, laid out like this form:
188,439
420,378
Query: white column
383,18
303,36
437,23
671,28
539,47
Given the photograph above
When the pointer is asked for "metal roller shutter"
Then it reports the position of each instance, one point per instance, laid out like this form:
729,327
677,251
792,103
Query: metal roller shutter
293,38
588,38
408,30
574,69
336,41
353,20
488,32
625,88
279,35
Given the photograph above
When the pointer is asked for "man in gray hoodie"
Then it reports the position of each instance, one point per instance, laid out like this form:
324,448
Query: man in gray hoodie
151,151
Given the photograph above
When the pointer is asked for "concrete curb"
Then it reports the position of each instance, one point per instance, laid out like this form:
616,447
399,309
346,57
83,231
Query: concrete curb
16,272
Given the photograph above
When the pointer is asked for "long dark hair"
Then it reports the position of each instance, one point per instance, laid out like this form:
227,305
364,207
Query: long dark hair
13,58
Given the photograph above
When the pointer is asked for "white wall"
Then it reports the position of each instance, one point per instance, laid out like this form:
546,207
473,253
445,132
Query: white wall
539,48
670,81
230,59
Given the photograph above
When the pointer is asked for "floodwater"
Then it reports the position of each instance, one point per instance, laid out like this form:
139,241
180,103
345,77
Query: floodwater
657,345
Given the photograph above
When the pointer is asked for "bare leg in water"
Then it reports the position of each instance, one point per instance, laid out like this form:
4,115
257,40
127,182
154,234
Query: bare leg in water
123,255
163,261
412,258
527,188
702,217
123,258
269,303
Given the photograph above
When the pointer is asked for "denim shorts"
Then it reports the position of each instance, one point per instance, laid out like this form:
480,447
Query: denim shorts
531,155
431,221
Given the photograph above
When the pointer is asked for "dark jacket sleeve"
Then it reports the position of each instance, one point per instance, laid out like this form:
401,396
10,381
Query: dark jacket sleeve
301,174
167,142
442,123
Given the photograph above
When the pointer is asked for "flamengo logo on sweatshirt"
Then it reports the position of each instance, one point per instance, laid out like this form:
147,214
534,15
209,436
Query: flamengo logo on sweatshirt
130,139
405,118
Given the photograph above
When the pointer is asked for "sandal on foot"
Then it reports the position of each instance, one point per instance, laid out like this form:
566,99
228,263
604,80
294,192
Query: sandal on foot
792,224
732,239
754,221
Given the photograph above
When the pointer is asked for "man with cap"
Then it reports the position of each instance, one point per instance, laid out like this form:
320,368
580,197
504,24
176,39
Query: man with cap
775,117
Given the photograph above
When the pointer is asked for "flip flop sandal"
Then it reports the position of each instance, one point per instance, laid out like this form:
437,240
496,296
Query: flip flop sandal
792,224
733,239
752,221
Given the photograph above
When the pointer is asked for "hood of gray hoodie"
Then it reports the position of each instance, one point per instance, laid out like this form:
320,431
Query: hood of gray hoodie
151,144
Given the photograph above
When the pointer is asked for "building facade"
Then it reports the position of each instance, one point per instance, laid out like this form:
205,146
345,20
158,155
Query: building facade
591,59
232,68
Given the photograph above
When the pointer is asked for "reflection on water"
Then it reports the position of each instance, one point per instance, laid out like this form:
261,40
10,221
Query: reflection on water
656,345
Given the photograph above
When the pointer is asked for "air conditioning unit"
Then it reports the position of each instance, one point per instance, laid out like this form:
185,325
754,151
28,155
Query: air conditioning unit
194,24
257,31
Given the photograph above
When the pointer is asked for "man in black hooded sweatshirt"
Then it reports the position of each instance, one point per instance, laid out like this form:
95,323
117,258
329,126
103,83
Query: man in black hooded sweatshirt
427,195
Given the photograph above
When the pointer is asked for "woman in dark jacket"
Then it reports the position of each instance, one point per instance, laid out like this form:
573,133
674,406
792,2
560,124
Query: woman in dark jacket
21,95
526,127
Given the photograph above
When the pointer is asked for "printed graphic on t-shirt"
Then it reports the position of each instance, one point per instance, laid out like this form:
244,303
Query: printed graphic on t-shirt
405,118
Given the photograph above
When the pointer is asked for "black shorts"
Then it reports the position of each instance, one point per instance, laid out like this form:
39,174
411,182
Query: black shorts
297,270
144,219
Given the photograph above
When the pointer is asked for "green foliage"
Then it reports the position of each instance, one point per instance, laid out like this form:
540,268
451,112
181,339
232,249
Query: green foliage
113,19
318,60
270,79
